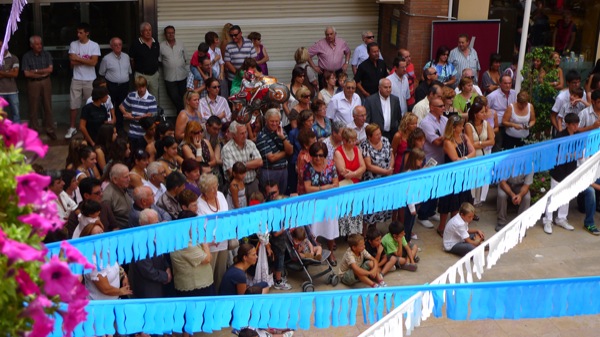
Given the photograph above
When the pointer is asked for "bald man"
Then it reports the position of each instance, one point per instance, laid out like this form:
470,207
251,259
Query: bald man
383,109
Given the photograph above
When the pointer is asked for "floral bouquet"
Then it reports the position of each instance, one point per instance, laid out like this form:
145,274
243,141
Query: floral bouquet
35,289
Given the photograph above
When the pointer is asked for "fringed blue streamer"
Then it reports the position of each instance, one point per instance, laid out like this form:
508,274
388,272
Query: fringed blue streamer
120,318
178,315
141,244
323,312
463,296
134,317
167,319
222,314
390,298
499,303
241,313
197,229
451,304
101,261
256,311
561,302
207,312
345,310
594,298
512,306
335,311
220,230
306,309
193,318
150,324
294,313
529,302
265,314
381,306
150,242
577,299
478,300
210,228
438,302
93,316
353,309
280,316
320,206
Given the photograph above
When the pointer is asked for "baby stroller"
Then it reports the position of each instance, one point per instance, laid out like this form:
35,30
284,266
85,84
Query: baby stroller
297,263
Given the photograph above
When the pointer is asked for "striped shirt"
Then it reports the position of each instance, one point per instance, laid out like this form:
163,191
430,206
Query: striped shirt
232,153
461,62
189,84
236,55
139,106
268,142
209,108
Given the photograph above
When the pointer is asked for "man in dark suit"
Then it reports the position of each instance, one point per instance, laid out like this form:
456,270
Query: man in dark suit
384,109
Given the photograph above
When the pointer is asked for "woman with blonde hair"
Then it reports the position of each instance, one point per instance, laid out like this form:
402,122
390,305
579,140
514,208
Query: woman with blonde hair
195,146
225,38
408,124
301,57
191,112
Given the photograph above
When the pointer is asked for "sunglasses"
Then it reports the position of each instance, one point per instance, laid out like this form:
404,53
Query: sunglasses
305,96
370,37
216,87
319,155
434,73
471,77
234,35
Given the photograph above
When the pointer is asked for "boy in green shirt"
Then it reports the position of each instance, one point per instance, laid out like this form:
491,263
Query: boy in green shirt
395,244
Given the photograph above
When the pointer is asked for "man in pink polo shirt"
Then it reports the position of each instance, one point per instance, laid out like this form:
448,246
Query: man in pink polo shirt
332,52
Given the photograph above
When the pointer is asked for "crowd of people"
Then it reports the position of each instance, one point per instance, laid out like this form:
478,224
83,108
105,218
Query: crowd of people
334,130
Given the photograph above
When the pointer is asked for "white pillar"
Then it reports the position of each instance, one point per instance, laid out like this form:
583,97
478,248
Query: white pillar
523,46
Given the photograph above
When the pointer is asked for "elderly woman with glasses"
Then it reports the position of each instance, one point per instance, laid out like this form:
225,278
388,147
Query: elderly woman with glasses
479,130
518,118
445,70
457,147
321,174
195,146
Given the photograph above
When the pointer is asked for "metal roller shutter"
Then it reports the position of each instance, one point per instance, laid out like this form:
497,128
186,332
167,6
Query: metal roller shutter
284,25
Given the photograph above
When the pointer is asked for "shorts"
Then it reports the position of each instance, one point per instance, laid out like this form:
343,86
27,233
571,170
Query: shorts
80,92
349,278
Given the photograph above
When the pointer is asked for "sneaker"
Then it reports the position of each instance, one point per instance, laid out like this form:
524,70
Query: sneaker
565,225
409,267
414,236
375,285
281,285
435,217
426,223
393,268
499,227
592,229
70,133
548,227
382,284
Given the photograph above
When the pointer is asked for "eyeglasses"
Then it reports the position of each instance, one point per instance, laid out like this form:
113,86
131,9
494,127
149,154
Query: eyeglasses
434,73
216,87
319,155
370,37
471,77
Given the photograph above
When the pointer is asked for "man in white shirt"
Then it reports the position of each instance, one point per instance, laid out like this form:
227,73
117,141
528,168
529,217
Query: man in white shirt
216,58
588,117
400,85
359,115
116,69
156,179
175,70
499,100
463,57
421,109
360,53
83,56
573,80
342,104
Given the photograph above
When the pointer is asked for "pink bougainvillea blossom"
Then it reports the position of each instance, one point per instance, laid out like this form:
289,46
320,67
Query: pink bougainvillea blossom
58,279
18,251
73,255
27,286
74,315
20,136
30,187
42,324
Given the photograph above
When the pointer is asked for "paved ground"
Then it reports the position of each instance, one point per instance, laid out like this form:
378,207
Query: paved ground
562,254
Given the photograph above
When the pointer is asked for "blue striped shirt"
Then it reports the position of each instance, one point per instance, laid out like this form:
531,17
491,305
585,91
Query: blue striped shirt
236,55
139,106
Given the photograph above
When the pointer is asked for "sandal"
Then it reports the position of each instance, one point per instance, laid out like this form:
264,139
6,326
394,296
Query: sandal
440,233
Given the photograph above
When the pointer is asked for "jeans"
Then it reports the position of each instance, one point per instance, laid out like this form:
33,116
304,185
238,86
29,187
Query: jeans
13,106
589,196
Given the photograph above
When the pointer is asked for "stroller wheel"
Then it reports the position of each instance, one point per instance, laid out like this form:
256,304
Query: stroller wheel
308,287
335,280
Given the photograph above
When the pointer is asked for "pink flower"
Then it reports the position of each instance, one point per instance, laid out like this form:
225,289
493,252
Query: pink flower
58,279
27,286
74,315
3,103
542,179
42,324
30,187
16,250
40,223
20,136
73,255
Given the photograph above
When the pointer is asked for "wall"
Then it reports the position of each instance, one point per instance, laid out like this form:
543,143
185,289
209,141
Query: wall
473,9
415,18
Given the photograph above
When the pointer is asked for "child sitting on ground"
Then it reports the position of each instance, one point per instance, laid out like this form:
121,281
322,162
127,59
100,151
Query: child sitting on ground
90,214
302,245
358,265
575,105
375,248
458,238
395,244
